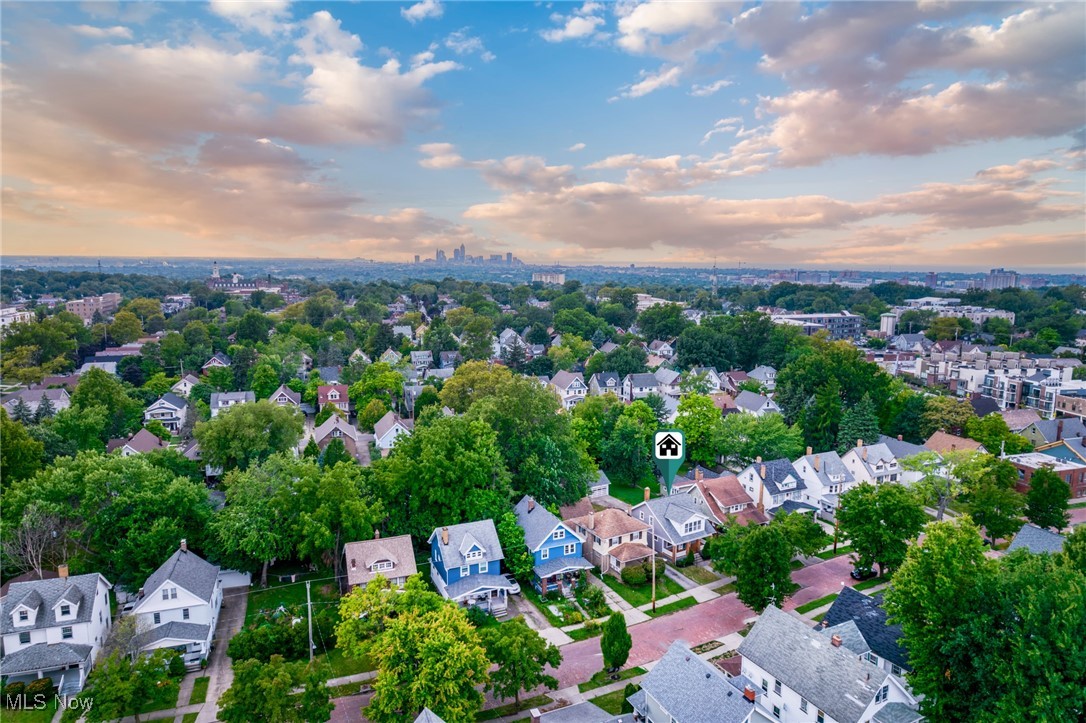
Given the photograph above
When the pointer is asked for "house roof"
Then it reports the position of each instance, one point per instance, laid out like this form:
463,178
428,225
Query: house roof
461,538
777,472
428,716
564,380
175,630
828,465
983,406
559,565
1016,419
672,511
293,396
329,374
31,396
630,551
471,583
1065,427
1037,540
385,424
607,347
44,594
869,617
896,712
722,492
173,400
585,712
43,656
666,376
361,555
691,690
641,380
831,678
762,373
602,378
225,399
537,522
27,577
142,442
899,448
324,390
580,508
218,357
657,344
943,442
876,453
750,401
185,569
420,357
335,422
609,523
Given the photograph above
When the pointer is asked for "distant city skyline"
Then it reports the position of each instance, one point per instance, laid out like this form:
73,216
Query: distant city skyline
926,136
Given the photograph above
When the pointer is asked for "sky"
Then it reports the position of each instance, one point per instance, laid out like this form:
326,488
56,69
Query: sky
933,135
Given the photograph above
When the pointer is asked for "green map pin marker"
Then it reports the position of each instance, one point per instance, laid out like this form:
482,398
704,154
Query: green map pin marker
668,451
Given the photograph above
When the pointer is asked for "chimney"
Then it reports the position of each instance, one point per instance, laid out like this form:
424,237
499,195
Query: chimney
184,545
647,493
859,443
809,451
1059,429
835,639
761,496
377,534
763,471
591,519
815,461
62,571
748,693
698,473
900,438
865,454
139,593
531,505
444,535
825,623
354,565
758,459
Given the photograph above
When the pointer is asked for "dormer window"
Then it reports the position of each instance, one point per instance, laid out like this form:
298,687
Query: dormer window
65,610
474,555
24,616
693,526
383,565
559,534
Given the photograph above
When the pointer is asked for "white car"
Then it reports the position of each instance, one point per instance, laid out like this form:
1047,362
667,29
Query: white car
516,585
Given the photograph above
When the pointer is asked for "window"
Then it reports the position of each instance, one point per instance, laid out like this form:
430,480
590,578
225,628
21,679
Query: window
895,669
872,658
691,527
184,613
66,632
641,514
777,712
883,694
465,571
765,685
802,705
473,555
545,553
570,549
173,593
158,618
821,717
165,594
65,610
777,687
559,534
382,565
24,638
23,616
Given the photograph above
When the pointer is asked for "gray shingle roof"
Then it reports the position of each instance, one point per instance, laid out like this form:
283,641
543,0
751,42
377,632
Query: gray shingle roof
691,690
42,656
896,712
641,380
428,716
1071,426
603,377
481,531
585,712
361,555
188,570
776,472
222,399
173,399
563,379
1037,540
472,583
537,522
557,565
829,464
831,678
870,619
44,594
293,396
672,511
900,448
750,401
850,635
175,630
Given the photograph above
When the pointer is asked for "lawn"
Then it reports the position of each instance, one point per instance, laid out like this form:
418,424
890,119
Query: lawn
288,595
672,607
348,689
868,584
830,554
543,606
1077,506
342,665
31,715
797,564
199,690
724,589
165,697
189,717
511,708
815,604
602,678
632,495
700,575
638,595
611,702
585,633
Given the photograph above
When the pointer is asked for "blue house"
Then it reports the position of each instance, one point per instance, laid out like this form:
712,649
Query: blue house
556,548
465,565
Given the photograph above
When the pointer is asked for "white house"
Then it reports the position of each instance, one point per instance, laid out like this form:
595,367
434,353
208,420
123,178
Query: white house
764,375
684,688
756,404
604,383
389,428
668,381
661,348
178,606
638,386
711,375
676,523
570,387
170,410
772,484
221,401
184,385
54,629
826,478
873,463
58,398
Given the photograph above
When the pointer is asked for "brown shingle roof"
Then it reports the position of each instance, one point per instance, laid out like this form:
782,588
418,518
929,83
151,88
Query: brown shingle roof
610,523
943,442
362,555
630,551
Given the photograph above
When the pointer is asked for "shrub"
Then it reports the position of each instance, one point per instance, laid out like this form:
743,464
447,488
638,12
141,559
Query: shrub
573,617
12,691
591,626
707,549
630,689
177,667
634,575
271,636
478,617
41,686
593,600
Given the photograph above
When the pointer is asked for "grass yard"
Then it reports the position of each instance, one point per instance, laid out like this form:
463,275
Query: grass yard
165,697
818,618
347,689
746,630
796,564
672,607
288,594
830,554
700,575
342,665
868,584
638,595
31,715
189,718
199,690
585,633
632,495
611,702
602,678
1077,506
815,604
512,708
724,589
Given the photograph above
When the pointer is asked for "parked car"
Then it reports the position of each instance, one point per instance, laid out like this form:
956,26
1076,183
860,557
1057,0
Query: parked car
862,573
516,585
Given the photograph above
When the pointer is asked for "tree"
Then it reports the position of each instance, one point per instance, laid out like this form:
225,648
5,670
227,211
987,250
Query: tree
698,419
265,691
253,327
992,431
692,383
98,388
248,433
21,412
45,410
430,660
515,356
659,408
947,414
327,411
335,507
471,381
373,411
158,429
521,655
1046,501
997,507
938,485
760,559
616,642
518,560
1074,548
859,422
82,427
824,370
741,438
37,543
365,612
880,522
126,327
477,340
804,533
821,420
311,451
627,451
662,321
20,454
121,686
265,381
378,381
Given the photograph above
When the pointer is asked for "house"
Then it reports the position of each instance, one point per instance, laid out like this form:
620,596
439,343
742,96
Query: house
422,360
391,557
449,359
54,628
1068,449
677,524
465,566
284,396
799,675
873,463
1044,431
178,606
710,374
556,549
436,373
583,712
329,374
764,375
359,356
638,386
391,357
1017,419
662,349
772,484
334,394
757,404
355,442
570,388
826,478
719,497
389,428
403,330
184,385
943,442
602,383
613,539
730,381
217,360
170,410
1073,472
221,401
601,487
861,622
141,442
917,343
607,347
428,716
1037,540
509,338
58,398
684,688
667,381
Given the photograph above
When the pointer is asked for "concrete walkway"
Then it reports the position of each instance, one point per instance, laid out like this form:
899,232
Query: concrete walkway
683,581
614,600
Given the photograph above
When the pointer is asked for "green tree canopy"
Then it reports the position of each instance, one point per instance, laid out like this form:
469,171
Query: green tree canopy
522,656
246,434
698,418
859,422
880,522
616,642
1046,501
741,438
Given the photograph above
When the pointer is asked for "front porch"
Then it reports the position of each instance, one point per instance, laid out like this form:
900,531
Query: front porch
488,592
67,665
559,575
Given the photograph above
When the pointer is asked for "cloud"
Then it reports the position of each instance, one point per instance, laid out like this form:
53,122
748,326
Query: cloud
512,173
702,91
423,10
440,156
724,125
267,17
91,31
581,24
576,147
665,77
463,44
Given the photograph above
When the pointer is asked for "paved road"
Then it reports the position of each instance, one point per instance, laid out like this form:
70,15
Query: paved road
231,618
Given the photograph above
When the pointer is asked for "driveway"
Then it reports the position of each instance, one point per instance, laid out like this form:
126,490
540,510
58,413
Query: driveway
231,618
535,619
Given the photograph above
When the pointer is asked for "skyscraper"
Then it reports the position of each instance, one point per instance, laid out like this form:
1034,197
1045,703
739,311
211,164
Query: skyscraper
463,253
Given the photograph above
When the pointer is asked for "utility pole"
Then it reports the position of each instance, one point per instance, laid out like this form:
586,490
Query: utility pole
309,614
654,574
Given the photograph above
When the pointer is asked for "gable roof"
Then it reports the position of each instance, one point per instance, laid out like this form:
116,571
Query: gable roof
1037,540
603,378
173,400
898,447
776,472
294,397
762,373
185,569
666,376
875,453
609,522
218,358
45,594
983,406
828,465
225,399
428,716
141,442
671,511
1017,419
750,401
34,396
1049,429
564,380
584,712
943,442
481,531
333,422
869,617
537,522
725,491
361,555
691,690
385,424
45,656
831,678
641,380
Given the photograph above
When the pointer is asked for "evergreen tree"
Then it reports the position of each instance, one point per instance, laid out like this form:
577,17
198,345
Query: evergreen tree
616,642
334,453
45,410
860,422
514,356
21,412
823,416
